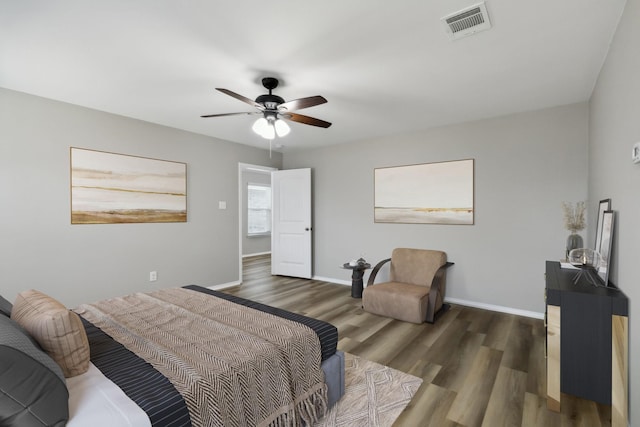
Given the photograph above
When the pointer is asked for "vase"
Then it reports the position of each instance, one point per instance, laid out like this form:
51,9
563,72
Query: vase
574,241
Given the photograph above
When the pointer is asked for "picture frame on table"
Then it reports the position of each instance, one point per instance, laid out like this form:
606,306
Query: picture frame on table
606,245
603,206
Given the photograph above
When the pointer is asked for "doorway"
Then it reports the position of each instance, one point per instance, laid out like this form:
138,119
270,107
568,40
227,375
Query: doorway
255,242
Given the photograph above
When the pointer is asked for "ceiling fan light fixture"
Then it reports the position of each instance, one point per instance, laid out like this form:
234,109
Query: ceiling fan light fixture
269,132
264,128
261,126
282,128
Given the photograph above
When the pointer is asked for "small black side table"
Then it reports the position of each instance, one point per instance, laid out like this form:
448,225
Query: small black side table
356,278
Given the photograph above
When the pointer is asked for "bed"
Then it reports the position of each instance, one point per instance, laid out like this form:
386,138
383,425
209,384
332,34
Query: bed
174,357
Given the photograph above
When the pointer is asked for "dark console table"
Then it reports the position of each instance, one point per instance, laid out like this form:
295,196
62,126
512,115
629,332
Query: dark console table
587,342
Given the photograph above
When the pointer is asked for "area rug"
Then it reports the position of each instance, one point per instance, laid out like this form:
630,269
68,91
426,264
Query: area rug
375,395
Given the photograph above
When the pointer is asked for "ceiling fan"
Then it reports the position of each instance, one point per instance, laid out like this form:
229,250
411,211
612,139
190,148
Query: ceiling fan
275,111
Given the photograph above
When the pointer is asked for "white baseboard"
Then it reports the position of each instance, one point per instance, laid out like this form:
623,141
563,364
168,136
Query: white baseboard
484,306
256,254
332,280
224,285
498,308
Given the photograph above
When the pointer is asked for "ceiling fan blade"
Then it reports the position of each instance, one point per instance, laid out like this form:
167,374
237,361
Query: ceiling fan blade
299,118
241,98
299,104
229,114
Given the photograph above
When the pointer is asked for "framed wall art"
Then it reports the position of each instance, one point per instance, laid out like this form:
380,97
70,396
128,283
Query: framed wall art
603,206
428,193
608,219
109,188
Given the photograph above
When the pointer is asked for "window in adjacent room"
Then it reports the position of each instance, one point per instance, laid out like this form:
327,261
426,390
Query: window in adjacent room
258,209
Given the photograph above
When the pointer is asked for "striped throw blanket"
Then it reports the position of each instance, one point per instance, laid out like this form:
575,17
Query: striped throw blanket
233,365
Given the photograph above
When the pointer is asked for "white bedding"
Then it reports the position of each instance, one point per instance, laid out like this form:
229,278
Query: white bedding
97,402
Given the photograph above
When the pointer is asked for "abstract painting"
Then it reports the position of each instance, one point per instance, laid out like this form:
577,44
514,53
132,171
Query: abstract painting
109,188
429,193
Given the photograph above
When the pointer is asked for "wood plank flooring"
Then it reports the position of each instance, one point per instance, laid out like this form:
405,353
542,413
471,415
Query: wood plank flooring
480,368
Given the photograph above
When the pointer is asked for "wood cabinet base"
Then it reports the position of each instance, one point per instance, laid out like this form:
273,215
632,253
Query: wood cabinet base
619,371
553,358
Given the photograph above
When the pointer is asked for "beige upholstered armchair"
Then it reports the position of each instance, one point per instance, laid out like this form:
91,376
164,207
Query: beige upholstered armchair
416,286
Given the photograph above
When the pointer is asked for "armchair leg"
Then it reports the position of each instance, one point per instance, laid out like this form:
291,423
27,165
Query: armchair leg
431,306
436,290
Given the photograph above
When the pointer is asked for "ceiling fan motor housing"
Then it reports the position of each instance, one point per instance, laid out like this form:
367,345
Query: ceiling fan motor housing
270,101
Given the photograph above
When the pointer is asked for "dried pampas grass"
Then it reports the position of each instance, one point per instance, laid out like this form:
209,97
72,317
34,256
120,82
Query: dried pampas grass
574,220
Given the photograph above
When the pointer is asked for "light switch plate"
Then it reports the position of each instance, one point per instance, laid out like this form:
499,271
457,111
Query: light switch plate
222,205
635,155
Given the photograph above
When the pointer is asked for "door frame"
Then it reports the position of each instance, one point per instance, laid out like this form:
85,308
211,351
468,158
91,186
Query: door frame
242,167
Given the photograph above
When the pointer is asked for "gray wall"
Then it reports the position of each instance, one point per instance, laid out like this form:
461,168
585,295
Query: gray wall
614,128
39,248
526,165
254,244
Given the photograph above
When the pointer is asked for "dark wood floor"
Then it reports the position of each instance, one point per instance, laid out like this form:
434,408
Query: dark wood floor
480,368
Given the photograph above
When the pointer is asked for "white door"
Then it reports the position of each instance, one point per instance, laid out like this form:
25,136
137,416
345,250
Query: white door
291,231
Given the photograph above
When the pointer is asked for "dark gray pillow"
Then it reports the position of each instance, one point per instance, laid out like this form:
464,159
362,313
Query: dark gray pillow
5,306
34,392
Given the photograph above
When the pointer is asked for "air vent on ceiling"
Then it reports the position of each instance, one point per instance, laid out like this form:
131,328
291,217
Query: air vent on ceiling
467,21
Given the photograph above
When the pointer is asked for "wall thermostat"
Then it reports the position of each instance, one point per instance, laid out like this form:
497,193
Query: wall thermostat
635,155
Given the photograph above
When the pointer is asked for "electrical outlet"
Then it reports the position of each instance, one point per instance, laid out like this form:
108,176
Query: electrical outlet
153,276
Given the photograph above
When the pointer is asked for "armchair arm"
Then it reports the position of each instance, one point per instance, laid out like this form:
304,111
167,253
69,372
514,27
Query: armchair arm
436,285
375,270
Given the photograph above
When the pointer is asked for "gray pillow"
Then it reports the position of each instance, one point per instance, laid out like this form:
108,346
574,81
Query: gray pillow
5,306
34,392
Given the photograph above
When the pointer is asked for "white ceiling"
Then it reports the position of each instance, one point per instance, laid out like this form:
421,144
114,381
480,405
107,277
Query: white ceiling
385,67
